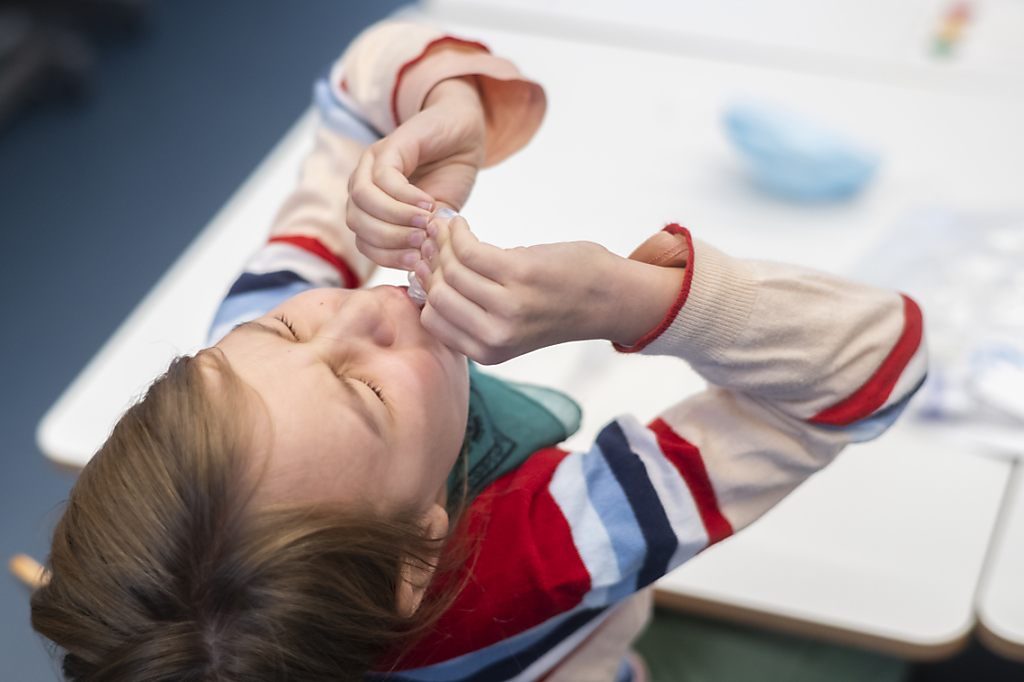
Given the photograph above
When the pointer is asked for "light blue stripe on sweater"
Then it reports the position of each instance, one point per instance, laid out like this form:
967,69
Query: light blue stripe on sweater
250,305
615,512
338,117
875,425
471,663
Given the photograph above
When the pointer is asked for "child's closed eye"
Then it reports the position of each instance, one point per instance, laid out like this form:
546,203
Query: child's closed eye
287,323
376,389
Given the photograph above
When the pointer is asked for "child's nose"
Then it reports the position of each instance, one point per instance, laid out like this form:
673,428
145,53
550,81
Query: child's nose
364,315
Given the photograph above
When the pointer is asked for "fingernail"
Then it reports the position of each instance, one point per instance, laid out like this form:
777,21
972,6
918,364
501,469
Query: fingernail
428,250
409,260
420,220
445,213
417,238
425,205
431,229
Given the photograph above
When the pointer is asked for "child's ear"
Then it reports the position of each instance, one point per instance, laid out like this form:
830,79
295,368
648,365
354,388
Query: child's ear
415,576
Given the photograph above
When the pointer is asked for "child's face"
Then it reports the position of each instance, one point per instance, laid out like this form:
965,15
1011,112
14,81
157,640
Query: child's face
330,436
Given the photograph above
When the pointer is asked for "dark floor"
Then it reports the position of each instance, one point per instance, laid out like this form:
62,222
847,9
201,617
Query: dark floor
97,199
686,648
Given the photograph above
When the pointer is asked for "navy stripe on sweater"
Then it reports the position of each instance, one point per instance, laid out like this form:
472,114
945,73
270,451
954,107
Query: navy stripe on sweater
267,280
643,498
509,667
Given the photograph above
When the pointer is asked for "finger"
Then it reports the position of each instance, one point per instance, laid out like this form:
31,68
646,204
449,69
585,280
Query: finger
423,274
403,259
447,333
484,259
438,225
485,292
376,202
361,171
381,234
429,252
457,309
387,174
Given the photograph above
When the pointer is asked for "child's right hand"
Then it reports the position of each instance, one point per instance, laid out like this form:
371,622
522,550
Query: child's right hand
495,304
429,161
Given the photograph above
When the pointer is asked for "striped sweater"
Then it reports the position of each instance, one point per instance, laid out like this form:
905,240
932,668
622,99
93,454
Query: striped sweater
799,363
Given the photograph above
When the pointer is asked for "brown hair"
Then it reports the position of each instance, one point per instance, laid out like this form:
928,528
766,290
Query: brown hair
161,569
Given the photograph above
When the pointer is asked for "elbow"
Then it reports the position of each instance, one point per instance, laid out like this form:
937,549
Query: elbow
876,404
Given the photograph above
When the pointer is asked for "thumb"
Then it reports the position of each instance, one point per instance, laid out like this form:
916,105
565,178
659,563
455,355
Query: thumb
393,162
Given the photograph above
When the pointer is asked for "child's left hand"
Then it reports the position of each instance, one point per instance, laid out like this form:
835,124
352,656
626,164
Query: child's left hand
493,304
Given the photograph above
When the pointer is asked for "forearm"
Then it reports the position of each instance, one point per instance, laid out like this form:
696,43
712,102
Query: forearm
314,211
634,298
803,339
459,103
316,208
800,364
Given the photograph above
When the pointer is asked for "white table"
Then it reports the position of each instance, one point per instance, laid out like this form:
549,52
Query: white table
868,39
885,549
1001,597
881,550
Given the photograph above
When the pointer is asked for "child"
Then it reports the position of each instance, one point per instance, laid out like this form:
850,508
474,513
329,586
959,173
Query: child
282,505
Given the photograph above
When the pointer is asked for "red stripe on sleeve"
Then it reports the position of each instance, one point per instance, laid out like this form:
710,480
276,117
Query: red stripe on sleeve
524,570
685,457
876,390
684,293
418,58
317,248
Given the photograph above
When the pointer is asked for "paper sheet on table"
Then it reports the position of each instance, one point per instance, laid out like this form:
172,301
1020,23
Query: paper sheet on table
966,269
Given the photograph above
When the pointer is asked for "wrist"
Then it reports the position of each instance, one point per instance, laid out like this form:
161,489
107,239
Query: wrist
455,106
637,298
460,92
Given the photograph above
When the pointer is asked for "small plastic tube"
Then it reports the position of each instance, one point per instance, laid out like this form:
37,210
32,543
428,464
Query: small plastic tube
416,291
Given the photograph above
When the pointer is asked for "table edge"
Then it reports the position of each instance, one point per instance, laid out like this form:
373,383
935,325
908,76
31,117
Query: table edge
816,630
998,644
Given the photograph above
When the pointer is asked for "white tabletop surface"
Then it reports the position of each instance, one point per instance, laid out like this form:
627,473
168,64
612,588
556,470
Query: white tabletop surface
890,541
872,39
1001,597
884,549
